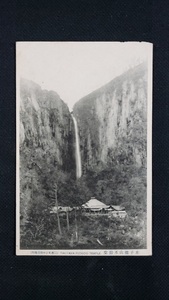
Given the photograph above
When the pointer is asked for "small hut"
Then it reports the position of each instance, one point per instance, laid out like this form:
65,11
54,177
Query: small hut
61,209
118,211
94,205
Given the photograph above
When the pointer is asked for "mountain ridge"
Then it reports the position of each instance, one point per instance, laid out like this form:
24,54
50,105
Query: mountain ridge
133,70
112,114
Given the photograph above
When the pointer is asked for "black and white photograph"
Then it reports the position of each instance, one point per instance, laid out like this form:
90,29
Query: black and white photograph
84,148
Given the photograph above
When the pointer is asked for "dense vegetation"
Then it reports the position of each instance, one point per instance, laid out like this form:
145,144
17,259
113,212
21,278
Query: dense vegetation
121,183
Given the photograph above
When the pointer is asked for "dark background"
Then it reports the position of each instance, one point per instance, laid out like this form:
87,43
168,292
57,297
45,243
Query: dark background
85,277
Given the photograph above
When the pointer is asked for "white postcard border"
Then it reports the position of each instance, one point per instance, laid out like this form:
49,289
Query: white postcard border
90,252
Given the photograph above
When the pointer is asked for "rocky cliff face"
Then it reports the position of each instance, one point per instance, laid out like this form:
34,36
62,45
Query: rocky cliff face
112,121
46,144
46,124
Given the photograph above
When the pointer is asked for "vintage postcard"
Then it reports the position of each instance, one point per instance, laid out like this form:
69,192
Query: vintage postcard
84,148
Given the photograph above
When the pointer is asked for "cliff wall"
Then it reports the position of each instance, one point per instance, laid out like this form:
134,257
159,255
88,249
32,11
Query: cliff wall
46,143
112,122
46,124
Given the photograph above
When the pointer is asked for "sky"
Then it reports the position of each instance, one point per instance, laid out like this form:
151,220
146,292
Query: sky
75,69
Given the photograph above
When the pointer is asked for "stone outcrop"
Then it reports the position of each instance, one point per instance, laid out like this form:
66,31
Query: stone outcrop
46,124
112,121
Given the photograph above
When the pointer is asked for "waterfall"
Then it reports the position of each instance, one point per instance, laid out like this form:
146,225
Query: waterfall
78,156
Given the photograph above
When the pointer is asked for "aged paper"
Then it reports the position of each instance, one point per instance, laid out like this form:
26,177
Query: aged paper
84,148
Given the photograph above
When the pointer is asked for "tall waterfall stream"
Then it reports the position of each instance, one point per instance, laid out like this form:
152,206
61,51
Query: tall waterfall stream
77,154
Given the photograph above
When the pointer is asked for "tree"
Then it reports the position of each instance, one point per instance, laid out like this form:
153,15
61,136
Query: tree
57,211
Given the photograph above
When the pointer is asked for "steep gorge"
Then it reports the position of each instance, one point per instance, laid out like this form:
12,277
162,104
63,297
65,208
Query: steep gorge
112,124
